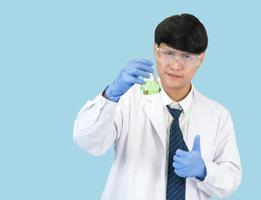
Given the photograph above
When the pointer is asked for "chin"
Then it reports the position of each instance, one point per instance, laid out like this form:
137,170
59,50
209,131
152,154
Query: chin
173,84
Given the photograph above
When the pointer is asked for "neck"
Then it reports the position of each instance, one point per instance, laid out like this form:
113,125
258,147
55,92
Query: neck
178,94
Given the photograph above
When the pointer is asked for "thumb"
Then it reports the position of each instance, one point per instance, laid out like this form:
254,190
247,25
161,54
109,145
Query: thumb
196,144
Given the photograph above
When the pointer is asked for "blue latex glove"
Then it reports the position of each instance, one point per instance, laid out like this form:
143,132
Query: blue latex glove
133,72
190,163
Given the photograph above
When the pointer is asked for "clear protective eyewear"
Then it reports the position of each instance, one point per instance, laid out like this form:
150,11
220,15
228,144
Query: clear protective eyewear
166,56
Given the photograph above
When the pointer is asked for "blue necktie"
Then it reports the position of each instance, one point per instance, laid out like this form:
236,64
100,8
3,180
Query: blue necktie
176,185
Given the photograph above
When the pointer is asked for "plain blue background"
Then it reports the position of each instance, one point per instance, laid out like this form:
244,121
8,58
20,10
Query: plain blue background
55,55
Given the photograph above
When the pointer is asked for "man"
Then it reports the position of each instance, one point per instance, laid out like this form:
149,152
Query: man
174,145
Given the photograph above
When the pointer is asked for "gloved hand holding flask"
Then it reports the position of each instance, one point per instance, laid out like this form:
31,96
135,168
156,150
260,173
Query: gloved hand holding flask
133,72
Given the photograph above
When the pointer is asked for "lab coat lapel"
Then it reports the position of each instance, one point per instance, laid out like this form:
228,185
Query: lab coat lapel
201,122
194,128
155,113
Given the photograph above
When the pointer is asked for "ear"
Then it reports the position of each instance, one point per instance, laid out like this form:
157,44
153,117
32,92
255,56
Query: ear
201,59
153,49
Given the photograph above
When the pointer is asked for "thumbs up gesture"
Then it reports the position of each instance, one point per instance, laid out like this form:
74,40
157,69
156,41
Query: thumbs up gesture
190,163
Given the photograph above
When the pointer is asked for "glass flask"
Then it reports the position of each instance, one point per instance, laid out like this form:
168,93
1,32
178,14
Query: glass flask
151,86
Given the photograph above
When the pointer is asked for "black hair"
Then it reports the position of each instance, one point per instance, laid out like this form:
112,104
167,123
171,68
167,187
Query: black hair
183,32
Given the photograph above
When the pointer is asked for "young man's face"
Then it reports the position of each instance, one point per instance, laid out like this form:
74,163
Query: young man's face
176,68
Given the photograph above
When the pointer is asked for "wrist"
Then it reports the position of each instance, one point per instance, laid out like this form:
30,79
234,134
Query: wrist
107,93
203,173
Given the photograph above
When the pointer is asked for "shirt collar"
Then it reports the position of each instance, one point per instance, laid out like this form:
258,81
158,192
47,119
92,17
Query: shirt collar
183,104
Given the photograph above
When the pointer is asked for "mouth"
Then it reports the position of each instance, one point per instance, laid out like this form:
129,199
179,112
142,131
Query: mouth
174,76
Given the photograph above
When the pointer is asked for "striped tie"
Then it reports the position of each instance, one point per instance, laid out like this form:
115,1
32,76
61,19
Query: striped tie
176,185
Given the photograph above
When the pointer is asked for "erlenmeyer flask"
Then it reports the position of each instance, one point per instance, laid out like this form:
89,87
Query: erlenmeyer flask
151,85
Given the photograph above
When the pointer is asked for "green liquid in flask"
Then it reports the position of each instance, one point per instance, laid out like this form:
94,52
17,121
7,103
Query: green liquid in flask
150,87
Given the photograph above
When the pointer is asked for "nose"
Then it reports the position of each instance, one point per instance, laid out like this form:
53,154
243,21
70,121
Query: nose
176,64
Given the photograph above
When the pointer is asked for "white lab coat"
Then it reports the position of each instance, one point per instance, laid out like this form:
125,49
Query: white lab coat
135,126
